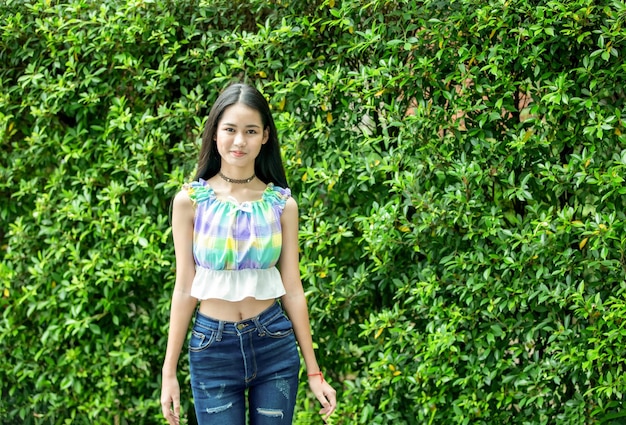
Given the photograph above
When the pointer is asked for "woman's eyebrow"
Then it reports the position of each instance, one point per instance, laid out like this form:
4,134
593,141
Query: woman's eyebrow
247,125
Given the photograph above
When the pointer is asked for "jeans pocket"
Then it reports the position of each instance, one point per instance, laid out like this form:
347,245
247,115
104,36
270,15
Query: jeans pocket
278,328
200,340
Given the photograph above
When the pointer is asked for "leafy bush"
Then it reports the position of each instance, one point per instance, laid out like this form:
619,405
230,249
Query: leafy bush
459,167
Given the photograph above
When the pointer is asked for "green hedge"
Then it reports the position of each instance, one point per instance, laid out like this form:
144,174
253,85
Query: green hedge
459,167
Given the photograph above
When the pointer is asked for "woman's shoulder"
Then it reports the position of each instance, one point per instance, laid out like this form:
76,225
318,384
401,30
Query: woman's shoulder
182,206
277,195
182,197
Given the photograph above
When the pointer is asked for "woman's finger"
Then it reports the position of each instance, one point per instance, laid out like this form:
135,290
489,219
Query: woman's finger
328,400
171,414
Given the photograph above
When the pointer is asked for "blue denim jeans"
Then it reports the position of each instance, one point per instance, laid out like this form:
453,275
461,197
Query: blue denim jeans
256,357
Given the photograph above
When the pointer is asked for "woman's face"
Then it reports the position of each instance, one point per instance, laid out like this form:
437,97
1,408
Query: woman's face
240,135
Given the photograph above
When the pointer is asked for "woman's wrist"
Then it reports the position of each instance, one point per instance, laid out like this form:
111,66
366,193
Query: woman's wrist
168,371
314,374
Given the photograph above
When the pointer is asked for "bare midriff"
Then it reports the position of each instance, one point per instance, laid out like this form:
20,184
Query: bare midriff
233,311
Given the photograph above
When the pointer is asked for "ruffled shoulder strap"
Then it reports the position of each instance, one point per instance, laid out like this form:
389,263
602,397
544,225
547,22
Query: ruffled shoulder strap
276,195
199,191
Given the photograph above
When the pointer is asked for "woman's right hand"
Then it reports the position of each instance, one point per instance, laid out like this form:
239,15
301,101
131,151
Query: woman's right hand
170,400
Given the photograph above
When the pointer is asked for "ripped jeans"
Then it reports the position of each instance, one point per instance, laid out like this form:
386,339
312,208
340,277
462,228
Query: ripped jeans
257,357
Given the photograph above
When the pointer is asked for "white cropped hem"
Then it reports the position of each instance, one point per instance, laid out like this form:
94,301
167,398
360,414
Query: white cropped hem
235,285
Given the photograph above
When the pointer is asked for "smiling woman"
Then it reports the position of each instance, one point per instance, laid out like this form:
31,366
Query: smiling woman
235,234
239,138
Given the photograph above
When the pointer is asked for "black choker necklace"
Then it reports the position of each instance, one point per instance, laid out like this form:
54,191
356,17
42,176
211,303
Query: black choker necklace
236,181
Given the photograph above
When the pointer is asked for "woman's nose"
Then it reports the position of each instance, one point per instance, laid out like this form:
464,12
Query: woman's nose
239,139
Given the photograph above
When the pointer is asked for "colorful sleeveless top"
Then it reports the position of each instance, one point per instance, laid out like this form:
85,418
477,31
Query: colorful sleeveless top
236,245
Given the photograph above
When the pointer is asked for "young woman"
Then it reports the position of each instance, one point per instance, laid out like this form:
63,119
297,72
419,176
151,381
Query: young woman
235,230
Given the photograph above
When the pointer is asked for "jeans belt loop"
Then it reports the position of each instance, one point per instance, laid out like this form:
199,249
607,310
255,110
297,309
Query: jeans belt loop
259,327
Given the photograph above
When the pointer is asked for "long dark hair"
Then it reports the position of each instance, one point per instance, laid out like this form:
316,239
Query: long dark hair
268,165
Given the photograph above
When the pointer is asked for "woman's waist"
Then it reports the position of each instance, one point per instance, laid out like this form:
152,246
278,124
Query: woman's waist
236,315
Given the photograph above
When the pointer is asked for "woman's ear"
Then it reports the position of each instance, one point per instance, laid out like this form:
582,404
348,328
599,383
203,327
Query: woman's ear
266,135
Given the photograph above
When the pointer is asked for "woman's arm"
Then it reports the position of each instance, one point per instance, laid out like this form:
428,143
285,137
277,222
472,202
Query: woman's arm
295,305
183,304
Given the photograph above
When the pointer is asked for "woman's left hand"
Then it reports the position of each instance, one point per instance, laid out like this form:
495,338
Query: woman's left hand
326,394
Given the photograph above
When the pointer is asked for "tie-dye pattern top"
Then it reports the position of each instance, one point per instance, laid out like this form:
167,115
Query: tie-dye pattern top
236,245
